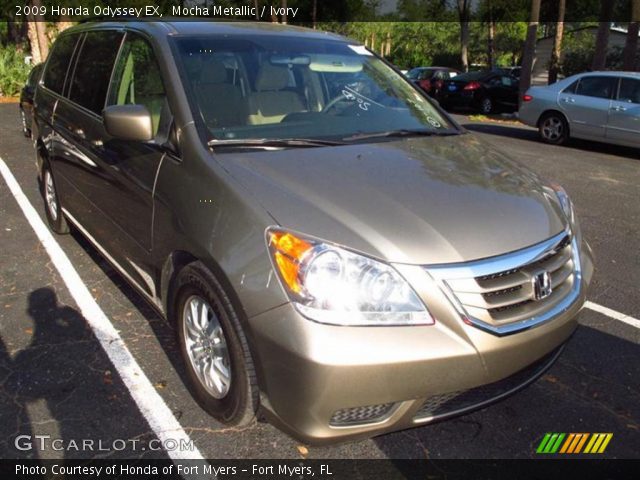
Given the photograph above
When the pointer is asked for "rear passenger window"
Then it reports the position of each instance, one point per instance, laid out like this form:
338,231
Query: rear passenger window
59,61
137,79
629,90
571,88
93,69
600,87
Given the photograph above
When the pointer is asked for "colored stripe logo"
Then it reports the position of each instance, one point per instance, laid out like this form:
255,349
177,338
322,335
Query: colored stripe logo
574,443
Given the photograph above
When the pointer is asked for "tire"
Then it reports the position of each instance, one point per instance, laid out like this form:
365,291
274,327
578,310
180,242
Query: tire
25,131
52,207
486,105
553,128
232,400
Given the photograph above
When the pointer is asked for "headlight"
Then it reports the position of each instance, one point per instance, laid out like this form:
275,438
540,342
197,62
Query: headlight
565,202
332,285
567,208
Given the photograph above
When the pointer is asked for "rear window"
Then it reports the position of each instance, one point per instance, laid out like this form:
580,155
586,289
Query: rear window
93,69
599,87
59,61
470,76
629,90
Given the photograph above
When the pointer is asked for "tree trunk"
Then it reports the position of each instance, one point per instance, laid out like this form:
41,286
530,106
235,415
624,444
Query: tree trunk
32,33
529,47
283,3
491,47
41,29
463,16
554,63
314,14
631,43
602,38
257,8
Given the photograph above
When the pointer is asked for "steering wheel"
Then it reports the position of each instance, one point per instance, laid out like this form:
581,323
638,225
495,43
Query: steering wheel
333,102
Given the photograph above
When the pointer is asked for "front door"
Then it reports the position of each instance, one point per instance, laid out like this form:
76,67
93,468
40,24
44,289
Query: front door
624,114
588,108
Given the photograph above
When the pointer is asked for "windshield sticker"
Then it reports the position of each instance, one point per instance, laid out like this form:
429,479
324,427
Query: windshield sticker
363,102
360,50
434,122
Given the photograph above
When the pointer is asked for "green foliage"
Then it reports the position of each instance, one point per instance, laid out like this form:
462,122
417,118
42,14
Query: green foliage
578,51
13,71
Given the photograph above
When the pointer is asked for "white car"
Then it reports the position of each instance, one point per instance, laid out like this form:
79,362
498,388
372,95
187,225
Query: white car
602,106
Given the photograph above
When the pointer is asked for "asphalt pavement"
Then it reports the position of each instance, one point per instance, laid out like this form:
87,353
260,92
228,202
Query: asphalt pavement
57,381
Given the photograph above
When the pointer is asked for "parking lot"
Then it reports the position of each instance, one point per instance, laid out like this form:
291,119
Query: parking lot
56,378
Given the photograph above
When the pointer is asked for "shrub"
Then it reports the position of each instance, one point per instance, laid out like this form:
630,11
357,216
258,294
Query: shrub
13,71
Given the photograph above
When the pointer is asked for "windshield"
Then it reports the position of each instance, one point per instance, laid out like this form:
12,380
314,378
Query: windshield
275,87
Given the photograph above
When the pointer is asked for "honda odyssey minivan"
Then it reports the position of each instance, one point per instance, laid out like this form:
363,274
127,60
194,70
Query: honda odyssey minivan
335,252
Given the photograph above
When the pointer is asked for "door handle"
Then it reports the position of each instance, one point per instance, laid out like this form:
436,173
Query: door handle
97,142
568,100
79,132
619,108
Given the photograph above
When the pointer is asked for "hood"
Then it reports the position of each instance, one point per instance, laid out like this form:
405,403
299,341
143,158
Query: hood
423,200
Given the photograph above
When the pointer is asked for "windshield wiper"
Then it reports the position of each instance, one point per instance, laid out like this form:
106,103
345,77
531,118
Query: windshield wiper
273,142
401,133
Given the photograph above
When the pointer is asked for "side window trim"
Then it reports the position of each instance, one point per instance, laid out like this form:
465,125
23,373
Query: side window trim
71,71
115,66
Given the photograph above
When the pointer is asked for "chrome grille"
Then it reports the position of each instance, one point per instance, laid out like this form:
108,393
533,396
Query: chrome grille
360,415
498,293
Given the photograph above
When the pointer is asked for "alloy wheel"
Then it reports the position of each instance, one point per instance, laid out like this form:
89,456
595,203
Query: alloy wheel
552,128
206,346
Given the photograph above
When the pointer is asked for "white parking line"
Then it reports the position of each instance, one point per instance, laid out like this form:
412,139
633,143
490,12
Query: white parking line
160,418
628,319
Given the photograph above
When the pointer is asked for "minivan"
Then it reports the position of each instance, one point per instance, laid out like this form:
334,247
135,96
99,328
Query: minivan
337,255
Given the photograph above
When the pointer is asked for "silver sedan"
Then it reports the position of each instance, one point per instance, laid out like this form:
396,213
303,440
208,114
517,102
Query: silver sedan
602,106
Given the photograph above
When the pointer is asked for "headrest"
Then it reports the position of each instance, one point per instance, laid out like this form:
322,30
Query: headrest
271,77
213,71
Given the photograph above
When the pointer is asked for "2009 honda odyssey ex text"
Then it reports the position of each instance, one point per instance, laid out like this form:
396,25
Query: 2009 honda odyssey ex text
332,248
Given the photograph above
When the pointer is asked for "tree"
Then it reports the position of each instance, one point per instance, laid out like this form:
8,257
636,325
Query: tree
491,44
464,13
602,37
554,63
631,43
529,47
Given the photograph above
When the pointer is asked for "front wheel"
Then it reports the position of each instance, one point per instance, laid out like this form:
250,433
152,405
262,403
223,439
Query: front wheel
220,370
553,129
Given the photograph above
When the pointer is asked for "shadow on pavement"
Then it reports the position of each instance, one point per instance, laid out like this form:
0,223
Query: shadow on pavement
63,385
597,373
522,133
162,329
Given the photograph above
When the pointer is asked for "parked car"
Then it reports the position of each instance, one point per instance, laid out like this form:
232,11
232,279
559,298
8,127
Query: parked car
26,99
331,246
486,92
431,79
512,71
603,106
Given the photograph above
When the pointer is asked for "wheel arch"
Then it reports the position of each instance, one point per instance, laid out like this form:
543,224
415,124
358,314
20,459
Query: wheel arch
548,112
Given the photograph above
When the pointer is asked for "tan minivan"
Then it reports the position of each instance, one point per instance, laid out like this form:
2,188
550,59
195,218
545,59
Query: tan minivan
331,246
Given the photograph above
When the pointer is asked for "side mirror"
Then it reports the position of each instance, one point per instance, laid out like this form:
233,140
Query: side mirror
128,122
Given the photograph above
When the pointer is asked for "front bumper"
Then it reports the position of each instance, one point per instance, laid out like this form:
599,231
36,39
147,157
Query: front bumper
323,383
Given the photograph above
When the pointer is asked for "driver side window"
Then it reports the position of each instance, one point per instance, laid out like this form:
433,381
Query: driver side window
137,80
